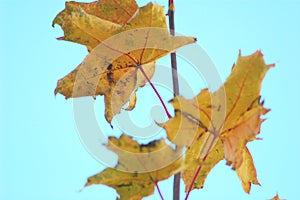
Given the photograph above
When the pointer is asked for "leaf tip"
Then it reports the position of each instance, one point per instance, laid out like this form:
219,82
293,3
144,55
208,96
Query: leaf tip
259,53
60,38
258,183
233,65
271,65
55,92
240,52
88,183
160,124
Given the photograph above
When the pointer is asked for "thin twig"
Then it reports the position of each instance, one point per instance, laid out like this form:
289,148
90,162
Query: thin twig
156,92
173,55
176,184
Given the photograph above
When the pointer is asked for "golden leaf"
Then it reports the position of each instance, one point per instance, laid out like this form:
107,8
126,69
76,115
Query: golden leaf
235,139
115,67
247,172
139,167
231,115
88,23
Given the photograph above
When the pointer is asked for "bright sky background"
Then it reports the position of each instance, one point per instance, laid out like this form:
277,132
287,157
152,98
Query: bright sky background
40,152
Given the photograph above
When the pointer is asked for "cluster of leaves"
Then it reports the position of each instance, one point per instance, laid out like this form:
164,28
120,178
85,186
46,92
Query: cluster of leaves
211,126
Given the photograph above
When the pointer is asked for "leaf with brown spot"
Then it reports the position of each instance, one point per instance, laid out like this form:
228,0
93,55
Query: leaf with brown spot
113,68
232,115
135,157
89,23
139,167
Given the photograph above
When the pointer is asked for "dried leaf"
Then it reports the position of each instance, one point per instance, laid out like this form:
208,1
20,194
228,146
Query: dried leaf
135,157
232,114
130,186
235,139
112,68
89,23
139,167
247,172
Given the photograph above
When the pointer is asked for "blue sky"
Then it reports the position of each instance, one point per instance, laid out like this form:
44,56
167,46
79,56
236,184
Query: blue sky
41,154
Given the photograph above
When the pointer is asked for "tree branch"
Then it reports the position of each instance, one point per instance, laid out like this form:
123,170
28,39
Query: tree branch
173,55
176,184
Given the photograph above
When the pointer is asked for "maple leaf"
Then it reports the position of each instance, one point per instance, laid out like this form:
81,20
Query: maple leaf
90,23
231,115
117,67
139,167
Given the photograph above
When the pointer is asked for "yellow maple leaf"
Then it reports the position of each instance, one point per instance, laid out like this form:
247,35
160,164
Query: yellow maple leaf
231,115
135,157
119,65
139,167
89,23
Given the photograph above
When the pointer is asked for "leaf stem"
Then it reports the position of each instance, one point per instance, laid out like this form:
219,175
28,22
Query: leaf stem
203,160
159,192
176,184
155,90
